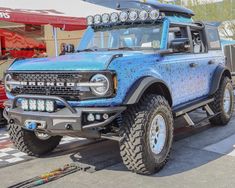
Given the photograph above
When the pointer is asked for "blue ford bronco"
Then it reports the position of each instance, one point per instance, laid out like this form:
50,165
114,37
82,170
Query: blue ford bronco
133,73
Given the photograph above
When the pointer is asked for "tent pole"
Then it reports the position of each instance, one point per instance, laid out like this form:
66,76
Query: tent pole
55,40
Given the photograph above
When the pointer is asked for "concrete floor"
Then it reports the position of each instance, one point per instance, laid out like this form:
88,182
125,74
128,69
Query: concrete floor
206,159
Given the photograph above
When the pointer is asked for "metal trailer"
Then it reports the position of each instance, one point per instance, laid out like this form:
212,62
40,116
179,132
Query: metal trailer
229,51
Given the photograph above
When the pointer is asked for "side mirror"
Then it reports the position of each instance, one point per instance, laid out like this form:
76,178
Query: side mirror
180,45
69,48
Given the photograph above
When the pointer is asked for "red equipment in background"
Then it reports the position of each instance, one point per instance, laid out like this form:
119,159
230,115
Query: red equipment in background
3,98
19,46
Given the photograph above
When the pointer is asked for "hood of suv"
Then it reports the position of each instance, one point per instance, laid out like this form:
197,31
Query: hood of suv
77,61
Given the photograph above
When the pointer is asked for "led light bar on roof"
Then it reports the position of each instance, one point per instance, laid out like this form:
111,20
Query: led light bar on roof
125,16
114,17
97,19
154,14
143,15
133,15
105,18
90,20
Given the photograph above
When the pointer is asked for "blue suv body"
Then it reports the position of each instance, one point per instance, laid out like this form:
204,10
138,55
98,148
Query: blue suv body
133,70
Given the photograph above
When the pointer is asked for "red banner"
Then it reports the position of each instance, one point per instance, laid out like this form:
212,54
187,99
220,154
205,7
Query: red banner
42,18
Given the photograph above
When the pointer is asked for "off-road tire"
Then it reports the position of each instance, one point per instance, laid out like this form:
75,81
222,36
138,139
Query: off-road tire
217,106
2,119
134,145
27,142
1,115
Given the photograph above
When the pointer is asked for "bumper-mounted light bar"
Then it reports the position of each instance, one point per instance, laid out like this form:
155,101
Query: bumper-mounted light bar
40,105
124,17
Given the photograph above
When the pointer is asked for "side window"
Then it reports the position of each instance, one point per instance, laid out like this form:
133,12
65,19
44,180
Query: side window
198,41
213,38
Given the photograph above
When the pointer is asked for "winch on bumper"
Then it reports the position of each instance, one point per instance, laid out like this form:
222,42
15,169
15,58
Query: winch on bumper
66,119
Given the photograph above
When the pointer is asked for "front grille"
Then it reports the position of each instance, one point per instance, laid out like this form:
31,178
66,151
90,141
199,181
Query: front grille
66,92
48,76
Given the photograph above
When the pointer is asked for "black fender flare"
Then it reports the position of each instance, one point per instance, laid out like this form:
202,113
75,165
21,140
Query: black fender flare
139,87
220,71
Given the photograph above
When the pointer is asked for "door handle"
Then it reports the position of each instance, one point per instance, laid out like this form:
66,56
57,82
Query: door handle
193,65
211,62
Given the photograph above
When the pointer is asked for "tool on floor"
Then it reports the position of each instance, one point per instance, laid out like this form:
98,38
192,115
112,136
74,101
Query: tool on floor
51,176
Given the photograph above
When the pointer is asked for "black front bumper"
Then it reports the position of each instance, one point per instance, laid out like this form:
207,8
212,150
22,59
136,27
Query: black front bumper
65,119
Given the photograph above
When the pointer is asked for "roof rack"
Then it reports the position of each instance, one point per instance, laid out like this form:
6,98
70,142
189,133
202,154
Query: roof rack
168,9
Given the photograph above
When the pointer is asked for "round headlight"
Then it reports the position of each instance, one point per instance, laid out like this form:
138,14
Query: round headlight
8,86
154,14
123,16
133,15
90,20
143,15
97,19
105,18
102,84
114,17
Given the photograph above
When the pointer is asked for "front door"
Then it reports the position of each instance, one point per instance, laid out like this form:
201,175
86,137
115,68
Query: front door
190,71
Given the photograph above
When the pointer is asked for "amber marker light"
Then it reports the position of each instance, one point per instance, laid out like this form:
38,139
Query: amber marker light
115,82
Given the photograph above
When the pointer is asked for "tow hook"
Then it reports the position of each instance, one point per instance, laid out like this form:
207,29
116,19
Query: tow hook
34,124
31,125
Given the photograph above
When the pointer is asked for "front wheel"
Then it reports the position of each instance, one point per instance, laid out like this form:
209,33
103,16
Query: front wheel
2,120
33,144
147,135
223,103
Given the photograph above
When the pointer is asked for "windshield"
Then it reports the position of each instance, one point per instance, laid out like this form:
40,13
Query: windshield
129,38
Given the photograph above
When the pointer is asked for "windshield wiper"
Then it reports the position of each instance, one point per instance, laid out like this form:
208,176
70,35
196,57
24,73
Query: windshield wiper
87,50
121,48
109,49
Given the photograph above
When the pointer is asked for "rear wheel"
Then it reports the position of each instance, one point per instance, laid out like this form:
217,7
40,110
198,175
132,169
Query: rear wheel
31,143
147,135
223,103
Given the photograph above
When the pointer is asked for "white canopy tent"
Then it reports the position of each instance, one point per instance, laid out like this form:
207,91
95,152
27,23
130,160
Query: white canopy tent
67,15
